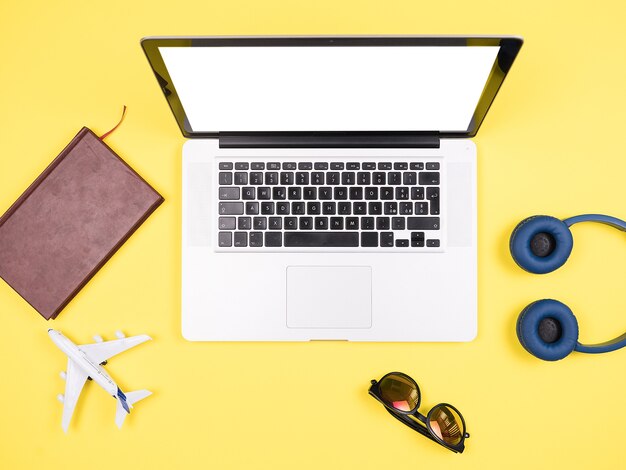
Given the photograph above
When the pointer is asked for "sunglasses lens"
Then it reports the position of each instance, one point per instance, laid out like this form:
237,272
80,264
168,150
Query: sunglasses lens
399,392
446,424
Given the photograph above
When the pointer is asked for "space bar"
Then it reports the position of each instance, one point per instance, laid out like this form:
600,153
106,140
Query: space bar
322,239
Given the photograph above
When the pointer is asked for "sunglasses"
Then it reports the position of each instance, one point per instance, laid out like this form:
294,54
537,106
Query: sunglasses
401,396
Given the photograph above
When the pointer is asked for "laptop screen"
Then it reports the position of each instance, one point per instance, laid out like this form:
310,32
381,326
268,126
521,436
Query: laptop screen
276,88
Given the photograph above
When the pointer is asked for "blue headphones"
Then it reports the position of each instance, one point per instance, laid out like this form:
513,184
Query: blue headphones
547,328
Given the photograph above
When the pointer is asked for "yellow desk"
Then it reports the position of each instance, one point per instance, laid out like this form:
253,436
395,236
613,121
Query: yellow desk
554,143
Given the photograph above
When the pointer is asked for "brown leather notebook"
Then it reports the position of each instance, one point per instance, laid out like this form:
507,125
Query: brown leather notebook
70,221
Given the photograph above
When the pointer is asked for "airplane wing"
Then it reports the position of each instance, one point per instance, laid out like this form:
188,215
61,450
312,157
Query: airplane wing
74,382
100,352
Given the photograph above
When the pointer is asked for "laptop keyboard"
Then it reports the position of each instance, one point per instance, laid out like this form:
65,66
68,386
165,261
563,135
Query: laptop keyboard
329,205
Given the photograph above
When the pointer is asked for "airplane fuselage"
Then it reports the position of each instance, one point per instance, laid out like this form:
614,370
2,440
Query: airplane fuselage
95,371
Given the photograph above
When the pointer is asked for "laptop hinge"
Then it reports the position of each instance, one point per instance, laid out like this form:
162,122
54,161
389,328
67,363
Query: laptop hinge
329,140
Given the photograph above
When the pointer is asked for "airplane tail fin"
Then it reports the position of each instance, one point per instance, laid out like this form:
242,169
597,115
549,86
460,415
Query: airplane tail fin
125,402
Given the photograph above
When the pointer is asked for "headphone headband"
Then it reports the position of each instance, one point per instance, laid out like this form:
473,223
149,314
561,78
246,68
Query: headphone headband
608,346
603,219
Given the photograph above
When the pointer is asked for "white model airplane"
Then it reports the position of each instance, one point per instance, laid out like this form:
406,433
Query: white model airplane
84,362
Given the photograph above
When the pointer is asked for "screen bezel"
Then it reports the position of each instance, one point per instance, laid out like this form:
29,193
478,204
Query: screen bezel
509,48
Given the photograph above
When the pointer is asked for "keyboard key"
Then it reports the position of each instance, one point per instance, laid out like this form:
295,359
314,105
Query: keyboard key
352,223
226,193
326,193
341,193
225,239
241,178
313,208
291,223
252,208
369,239
297,208
259,223
225,178
321,166
329,208
417,239
286,178
257,166
369,166
306,223
401,166
241,166
226,166
241,239
386,193
322,239
432,243
367,223
282,208
386,239
359,208
264,193
305,166
416,166
227,223
409,178
394,178
422,223
397,223
406,208
256,178
428,178
363,178
289,165
294,193
402,192
271,177
384,165
333,177
267,208
273,166
402,243
379,178
417,193
421,208
375,208
275,223
371,193
336,166
321,223
356,193
248,193
432,165
309,193
317,178
344,208
391,208
273,239
336,223
382,223
244,223
230,208
432,194
256,239
279,193
348,178
353,166
302,178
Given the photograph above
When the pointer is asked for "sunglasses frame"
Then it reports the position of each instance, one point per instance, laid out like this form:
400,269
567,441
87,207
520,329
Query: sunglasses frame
404,416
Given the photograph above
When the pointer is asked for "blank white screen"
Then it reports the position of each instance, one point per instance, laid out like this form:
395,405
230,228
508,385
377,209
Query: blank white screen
367,88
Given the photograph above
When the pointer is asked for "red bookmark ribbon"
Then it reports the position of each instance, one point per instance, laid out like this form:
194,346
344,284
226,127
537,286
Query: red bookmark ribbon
105,135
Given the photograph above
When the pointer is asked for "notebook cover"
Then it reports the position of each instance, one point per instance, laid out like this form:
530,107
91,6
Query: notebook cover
70,221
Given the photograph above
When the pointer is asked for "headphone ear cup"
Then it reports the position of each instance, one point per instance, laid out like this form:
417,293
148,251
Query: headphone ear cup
541,244
547,329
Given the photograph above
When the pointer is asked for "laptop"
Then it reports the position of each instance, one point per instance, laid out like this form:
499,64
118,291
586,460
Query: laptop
329,183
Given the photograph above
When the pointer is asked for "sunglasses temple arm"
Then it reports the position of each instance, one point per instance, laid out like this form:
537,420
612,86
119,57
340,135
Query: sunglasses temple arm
412,424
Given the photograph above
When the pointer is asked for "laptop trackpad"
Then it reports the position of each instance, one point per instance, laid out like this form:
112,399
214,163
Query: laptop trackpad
329,296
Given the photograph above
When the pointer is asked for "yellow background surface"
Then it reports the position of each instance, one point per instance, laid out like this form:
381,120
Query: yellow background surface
553,143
